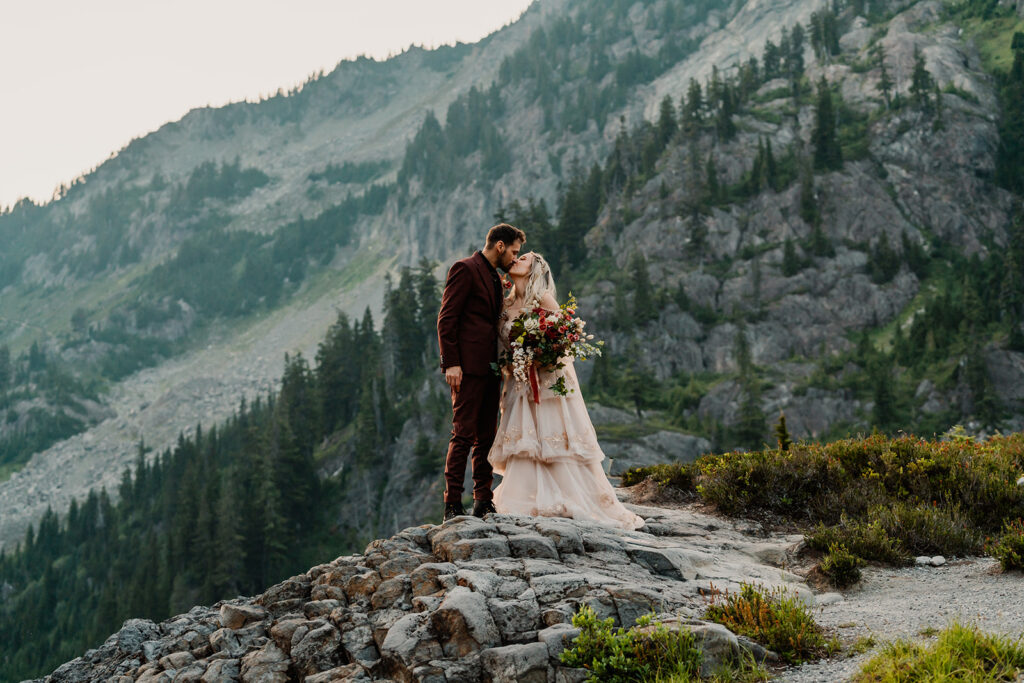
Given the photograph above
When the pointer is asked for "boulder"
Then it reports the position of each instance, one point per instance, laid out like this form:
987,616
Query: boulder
269,664
527,663
409,643
556,638
463,623
317,650
237,616
220,670
517,619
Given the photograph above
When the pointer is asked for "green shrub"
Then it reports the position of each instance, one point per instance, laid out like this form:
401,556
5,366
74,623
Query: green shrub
930,529
1009,547
841,566
867,540
644,652
961,653
674,476
775,619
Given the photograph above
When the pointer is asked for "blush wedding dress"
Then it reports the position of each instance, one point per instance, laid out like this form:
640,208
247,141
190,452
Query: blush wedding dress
548,455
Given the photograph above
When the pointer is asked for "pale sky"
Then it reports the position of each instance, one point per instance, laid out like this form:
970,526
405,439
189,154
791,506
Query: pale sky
79,80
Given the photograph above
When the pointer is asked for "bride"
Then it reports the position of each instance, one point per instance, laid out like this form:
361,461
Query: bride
547,452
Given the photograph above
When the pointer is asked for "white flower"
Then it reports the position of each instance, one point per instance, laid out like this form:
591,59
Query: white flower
531,324
1020,482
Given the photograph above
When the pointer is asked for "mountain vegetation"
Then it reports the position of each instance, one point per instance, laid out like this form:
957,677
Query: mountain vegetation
812,229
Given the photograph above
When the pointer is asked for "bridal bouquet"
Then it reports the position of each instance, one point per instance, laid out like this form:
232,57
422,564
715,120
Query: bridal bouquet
541,339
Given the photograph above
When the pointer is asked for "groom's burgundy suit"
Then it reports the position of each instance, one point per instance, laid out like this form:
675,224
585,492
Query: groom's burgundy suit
467,335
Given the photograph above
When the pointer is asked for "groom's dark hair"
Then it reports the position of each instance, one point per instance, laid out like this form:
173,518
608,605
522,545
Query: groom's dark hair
503,232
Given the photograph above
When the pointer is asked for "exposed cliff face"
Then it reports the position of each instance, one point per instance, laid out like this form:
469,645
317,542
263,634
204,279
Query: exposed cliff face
470,600
912,181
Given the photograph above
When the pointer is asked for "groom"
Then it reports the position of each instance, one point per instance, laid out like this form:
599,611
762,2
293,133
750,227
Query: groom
467,334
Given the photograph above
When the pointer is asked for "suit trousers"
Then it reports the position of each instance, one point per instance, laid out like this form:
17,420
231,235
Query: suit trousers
475,419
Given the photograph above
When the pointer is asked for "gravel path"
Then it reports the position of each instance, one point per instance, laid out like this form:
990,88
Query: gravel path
901,603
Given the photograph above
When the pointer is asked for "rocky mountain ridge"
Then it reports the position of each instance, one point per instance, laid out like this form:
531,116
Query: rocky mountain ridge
469,600
912,181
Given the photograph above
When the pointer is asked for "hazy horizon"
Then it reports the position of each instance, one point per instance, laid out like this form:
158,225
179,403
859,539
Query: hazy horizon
92,78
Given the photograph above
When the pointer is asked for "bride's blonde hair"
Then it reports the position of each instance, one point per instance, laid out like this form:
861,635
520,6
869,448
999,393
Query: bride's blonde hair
539,282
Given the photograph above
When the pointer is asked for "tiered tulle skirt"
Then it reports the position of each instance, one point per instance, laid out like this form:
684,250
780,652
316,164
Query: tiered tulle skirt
549,457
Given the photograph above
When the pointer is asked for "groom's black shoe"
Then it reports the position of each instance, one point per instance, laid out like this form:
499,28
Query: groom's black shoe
452,510
483,507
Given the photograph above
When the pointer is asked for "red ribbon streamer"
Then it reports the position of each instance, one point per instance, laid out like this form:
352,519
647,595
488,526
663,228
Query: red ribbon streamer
534,384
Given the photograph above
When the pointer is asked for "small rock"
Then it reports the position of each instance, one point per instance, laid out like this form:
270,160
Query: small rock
348,672
362,586
237,616
938,561
390,593
424,579
526,663
923,561
464,624
317,651
532,545
828,599
266,665
176,660
320,608
556,638
220,670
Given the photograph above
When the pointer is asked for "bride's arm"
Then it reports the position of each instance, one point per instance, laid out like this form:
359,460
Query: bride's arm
548,303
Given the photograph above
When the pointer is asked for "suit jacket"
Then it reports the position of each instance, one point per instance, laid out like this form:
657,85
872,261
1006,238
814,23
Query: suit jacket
467,324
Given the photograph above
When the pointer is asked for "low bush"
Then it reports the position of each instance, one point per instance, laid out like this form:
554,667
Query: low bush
680,477
1009,547
775,619
961,653
867,540
930,529
885,499
645,652
841,566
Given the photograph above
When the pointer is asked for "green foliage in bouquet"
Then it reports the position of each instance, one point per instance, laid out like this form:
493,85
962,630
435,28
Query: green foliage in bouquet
542,339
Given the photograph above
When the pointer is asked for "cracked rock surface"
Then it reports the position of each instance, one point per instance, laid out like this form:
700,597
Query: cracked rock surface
470,600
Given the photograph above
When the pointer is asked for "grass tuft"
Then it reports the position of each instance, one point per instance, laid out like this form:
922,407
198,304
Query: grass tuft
1009,547
777,620
841,566
961,653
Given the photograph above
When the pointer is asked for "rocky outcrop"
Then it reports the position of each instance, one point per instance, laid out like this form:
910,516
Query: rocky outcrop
470,600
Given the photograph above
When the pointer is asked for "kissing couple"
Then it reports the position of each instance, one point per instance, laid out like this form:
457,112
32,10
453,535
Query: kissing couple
544,445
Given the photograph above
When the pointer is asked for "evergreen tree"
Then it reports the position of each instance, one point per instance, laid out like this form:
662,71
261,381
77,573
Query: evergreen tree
782,434
885,84
921,84
808,197
667,124
986,404
771,60
644,307
1010,157
693,106
883,414
791,263
750,427
771,169
885,261
713,193
827,154
229,561
6,373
